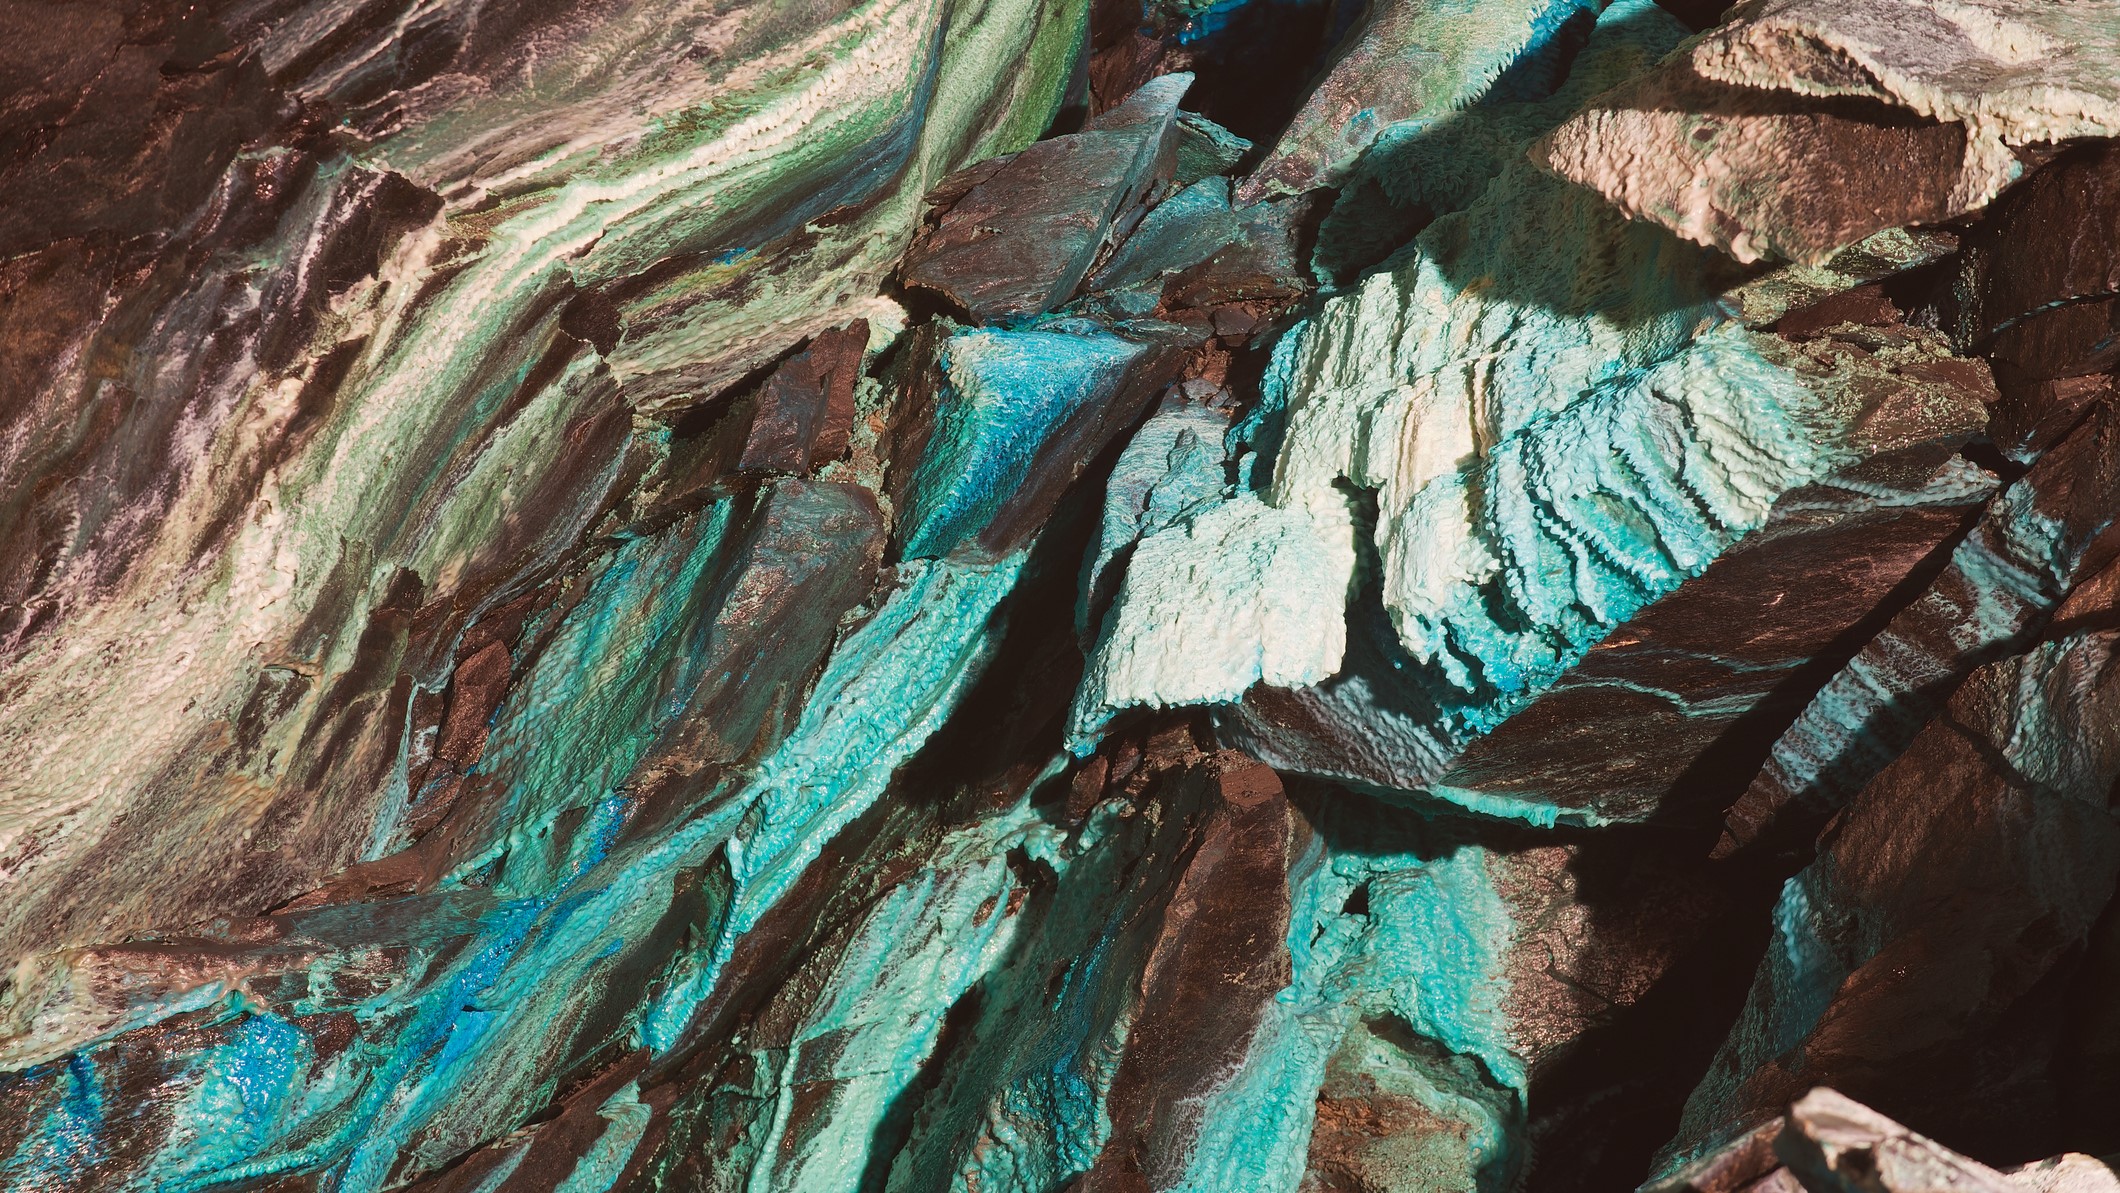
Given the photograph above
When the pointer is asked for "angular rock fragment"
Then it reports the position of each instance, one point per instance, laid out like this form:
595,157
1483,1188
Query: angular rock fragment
1021,240
804,413
1182,231
1205,148
1911,413
2039,538
1262,266
1752,173
1019,415
1408,62
2043,286
1864,267
1529,498
1657,717
2048,244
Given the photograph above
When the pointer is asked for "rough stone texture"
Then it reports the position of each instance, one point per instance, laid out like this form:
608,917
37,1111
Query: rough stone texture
1797,127
804,413
1754,174
1669,713
1021,240
2047,531
1379,722
1829,1143
1409,62
1956,890
2043,283
794,595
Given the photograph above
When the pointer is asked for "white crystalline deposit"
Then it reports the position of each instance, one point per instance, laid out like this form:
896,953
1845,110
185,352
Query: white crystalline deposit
1404,381
1245,593
1500,575
1551,447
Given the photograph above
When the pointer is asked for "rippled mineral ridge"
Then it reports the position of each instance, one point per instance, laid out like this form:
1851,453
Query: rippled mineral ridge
1035,595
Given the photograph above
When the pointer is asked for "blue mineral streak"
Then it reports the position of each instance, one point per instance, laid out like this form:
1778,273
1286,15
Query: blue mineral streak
261,1103
70,1133
886,690
1006,394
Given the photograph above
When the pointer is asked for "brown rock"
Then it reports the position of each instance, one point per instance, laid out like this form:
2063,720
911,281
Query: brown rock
1865,305
1681,703
1022,238
803,415
2037,539
1219,957
2072,340
1119,69
1921,961
2032,415
2054,239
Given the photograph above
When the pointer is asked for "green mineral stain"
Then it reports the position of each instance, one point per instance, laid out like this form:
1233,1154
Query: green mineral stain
598,1169
1411,988
888,687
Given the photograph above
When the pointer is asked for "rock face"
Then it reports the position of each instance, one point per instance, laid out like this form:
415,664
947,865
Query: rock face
1282,595
1831,1143
1797,127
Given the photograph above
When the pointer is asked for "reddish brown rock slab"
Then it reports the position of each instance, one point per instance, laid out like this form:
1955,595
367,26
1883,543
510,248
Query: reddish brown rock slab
1022,239
804,413
1865,305
1672,712
1922,960
2041,275
1219,956
1119,69
2042,535
2030,416
2053,239
2072,340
